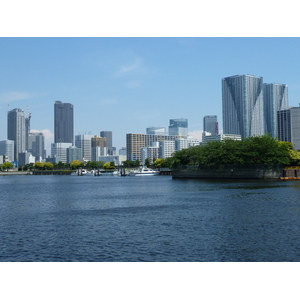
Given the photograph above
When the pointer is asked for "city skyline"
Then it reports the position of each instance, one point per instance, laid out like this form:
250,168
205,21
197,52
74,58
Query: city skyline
126,85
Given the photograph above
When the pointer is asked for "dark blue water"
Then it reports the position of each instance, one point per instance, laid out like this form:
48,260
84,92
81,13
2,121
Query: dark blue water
70,218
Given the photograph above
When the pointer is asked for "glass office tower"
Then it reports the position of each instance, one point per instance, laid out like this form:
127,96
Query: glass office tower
243,106
16,130
63,122
275,99
178,127
210,124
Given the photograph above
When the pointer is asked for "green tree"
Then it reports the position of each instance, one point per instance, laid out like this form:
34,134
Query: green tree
75,164
39,166
158,163
109,165
147,162
6,165
48,166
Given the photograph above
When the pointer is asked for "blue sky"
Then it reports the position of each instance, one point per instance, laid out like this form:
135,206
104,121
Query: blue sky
128,84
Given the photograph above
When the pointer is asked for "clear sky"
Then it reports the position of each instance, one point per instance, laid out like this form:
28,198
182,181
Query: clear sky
125,85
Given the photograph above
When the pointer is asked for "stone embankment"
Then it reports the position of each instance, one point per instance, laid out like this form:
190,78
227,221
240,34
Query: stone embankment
7,173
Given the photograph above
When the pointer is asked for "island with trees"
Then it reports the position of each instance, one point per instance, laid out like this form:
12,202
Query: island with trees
261,157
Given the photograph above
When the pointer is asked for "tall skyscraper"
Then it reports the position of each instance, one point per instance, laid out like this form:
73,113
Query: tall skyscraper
16,130
84,141
36,145
275,99
63,122
210,124
243,106
178,127
109,143
289,126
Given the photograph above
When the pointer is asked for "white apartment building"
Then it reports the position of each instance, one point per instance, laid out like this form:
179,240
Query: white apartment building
208,137
166,148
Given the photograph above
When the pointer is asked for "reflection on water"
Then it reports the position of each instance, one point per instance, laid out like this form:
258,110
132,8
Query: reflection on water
70,218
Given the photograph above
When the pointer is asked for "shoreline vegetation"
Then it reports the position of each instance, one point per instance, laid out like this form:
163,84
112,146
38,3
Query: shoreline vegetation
260,157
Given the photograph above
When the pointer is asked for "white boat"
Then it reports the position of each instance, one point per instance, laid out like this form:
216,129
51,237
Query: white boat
144,171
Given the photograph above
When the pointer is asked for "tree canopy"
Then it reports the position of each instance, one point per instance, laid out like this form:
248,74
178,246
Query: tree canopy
252,151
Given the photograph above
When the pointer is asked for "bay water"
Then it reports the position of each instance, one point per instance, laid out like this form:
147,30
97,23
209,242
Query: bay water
151,219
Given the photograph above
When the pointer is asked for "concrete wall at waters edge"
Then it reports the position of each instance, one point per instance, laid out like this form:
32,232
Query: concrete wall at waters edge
229,173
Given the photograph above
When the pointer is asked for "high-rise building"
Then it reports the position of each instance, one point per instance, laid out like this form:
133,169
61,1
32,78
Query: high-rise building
7,149
98,141
156,130
243,106
288,129
275,99
63,122
109,142
178,127
36,145
151,153
166,148
210,124
59,151
73,153
134,143
84,141
16,130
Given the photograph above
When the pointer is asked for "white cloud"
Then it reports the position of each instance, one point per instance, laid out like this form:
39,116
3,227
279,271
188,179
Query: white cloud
130,67
196,134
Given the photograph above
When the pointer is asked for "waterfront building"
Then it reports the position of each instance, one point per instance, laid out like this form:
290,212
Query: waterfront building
84,141
109,142
63,122
59,151
117,159
134,143
178,127
208,137
36,145
275,99
3,159
166,148
288,129
210,124
74,153
151,153
99,151
243,106
16,130
7,149
25,158
156,130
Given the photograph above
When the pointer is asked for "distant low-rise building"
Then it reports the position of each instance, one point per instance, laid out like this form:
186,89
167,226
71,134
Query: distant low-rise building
208,137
